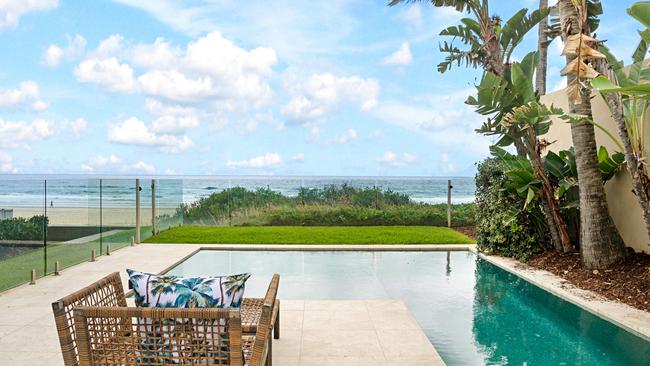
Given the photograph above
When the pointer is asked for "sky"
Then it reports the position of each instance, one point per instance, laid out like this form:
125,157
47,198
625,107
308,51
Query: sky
211,87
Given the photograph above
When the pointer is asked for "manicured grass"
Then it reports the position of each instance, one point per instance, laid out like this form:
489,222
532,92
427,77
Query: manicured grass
311,235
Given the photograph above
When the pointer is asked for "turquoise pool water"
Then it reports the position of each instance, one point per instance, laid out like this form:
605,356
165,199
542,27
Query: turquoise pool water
473,312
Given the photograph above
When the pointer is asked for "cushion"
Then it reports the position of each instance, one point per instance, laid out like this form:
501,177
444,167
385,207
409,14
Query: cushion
164,291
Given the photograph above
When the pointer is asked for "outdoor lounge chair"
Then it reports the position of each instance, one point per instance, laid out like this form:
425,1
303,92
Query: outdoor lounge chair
108,292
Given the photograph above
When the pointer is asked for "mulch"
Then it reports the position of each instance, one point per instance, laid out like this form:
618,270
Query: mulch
467,230
627,281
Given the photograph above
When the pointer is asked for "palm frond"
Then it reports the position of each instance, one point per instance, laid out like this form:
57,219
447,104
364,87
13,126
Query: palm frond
472,58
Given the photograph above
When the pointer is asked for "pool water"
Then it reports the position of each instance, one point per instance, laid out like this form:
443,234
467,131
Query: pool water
473,312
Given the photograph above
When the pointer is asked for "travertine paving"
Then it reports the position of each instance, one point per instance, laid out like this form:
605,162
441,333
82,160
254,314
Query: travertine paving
378,332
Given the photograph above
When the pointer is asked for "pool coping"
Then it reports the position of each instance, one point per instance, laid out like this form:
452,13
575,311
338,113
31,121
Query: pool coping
625,316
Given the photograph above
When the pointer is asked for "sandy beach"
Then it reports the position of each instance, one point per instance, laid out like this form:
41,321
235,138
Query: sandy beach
90,216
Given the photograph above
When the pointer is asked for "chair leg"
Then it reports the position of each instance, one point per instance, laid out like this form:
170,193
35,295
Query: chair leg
269,359
276,325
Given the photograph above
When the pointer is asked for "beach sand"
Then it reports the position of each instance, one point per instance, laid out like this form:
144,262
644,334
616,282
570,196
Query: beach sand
90,216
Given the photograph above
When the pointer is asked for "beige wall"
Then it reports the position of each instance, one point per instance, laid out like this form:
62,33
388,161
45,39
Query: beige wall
623,205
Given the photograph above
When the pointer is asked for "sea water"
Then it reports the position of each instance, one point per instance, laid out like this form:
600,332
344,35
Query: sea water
80,191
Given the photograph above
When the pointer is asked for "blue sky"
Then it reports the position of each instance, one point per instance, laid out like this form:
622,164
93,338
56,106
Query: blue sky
337,87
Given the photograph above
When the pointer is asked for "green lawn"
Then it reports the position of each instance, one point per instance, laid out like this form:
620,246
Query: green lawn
16,270
311,235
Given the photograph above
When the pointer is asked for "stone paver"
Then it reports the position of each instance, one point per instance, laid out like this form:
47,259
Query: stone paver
364,332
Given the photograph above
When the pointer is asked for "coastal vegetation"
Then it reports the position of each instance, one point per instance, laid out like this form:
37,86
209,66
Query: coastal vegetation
537,199
332,205
18,228
311,235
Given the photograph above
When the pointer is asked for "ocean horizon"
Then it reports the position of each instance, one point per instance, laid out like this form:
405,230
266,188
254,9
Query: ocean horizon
77,190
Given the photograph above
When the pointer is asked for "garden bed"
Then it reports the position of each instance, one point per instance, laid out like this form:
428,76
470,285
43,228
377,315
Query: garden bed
627,281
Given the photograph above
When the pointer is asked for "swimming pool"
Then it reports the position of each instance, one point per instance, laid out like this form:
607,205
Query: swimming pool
473,312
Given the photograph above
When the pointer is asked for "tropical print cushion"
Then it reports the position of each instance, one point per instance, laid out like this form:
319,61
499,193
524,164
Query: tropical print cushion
192,292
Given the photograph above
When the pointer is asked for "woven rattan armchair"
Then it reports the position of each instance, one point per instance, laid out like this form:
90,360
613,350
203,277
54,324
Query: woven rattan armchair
111,336
108,292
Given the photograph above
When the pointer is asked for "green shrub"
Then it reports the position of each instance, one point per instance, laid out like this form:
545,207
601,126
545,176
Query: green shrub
501,227
18,228
330,206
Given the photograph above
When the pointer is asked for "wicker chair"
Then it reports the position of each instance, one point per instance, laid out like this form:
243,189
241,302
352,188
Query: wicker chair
156,336
108,292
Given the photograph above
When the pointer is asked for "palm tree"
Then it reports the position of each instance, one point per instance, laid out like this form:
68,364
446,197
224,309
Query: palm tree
601,244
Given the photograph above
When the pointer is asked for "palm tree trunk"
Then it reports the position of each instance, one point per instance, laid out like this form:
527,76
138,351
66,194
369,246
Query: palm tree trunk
600,243
540,74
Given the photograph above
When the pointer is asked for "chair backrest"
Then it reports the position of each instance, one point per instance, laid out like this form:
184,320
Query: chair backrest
263,335
158,336
106,292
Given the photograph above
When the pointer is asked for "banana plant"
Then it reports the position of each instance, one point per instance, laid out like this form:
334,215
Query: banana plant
628,96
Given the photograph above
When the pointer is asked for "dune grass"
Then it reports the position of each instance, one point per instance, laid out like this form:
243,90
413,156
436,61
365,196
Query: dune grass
311,235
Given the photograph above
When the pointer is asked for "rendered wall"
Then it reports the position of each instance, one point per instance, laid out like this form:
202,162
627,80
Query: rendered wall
623,205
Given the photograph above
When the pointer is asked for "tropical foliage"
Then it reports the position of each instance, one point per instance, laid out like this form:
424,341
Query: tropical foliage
627,94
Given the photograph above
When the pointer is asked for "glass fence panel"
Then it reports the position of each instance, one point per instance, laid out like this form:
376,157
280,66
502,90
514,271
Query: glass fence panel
118,213
22,230
146,213
169,201
74,225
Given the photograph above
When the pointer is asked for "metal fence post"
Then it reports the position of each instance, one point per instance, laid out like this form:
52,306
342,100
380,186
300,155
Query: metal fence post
153,207
137,211
449,187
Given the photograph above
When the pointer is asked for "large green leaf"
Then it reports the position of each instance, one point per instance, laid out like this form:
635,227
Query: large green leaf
604,85
641,12
521,84
607,164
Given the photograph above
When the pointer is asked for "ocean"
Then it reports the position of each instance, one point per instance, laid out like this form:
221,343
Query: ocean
83,191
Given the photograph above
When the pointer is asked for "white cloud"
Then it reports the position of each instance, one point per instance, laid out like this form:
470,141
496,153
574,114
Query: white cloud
7,163
134,132
175,86
401,57
321,95
159,54
411,15
298,158
54,54
75,127
109,47
108,73
211,70
392,159
112,163
27,93
15,134
12,10
443,119
236,72
174,124
347,136
263,161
